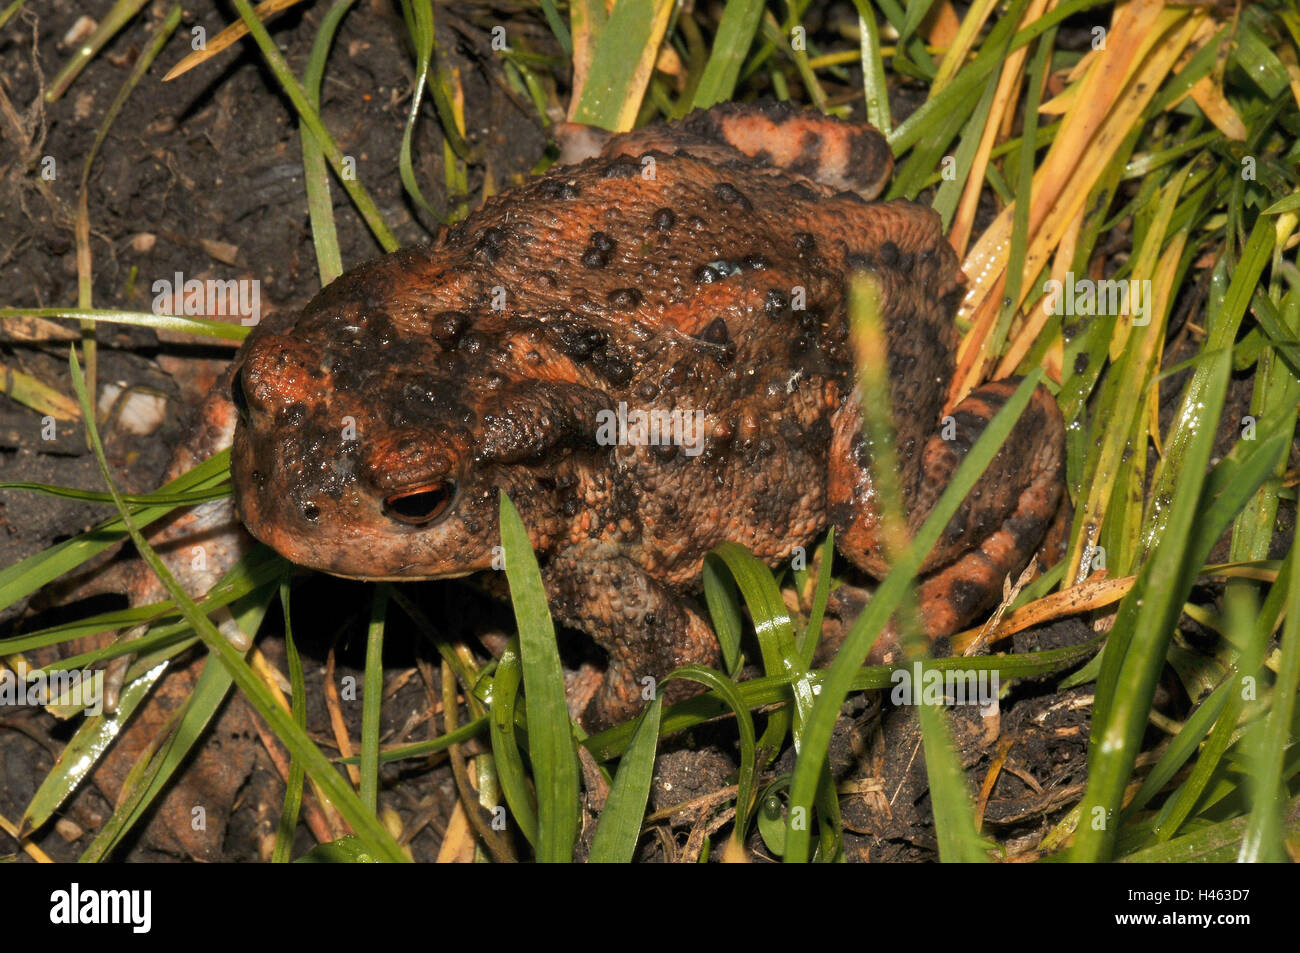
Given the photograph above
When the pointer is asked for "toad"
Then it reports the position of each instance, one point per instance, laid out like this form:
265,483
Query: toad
648,351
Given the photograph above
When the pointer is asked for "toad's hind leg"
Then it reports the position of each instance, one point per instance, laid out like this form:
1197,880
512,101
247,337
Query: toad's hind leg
994,532
841,155
646,629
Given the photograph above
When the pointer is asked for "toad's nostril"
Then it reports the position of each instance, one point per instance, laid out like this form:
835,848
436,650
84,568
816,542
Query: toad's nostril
422,504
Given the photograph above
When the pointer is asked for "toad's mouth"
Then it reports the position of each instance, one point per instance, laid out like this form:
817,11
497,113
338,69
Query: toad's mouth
418,577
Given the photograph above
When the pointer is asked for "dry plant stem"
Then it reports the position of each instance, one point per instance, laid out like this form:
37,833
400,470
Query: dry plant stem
497,844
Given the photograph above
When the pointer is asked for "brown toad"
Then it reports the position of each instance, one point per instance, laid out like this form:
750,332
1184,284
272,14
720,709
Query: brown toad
689,274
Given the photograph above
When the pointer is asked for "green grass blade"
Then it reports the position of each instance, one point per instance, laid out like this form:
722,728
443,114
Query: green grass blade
24,578
1263,840
250,573
293,787
622,63
510,765
320,206
619,827
122,12
202,327
774,690
550,736
372,698
276,63
84,749
419,23
1218,843
875,88
950,795
558,26
970,76
821,594
1223,324
1139,640
348,849
200,707
773,626
723,600
422,749
1182,747
735,35
728,692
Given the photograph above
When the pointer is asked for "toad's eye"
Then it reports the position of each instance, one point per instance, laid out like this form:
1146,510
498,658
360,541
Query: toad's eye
237,395
421,505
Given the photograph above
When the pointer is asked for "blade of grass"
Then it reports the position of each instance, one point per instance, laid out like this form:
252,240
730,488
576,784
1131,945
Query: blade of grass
875,89
821,594
294,785
1263,839
422,749
132,499
550,736
419,23
724,610
202,327
558,26
85,298
372,698
772,628
510,765
24,578
772,690
1139,639
120,15
727,691
621,65
970,76
1218,843
619,827
9,11
255,568
953,808
83,751
735,35
266,11
1224,319
200,707
320,205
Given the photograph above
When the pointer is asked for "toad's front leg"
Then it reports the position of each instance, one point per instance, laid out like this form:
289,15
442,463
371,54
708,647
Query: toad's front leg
993,534
645,627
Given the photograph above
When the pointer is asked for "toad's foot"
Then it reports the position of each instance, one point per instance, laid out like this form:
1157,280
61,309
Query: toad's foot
645,628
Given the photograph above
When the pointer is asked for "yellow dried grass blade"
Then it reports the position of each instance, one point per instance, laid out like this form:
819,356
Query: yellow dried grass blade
612,93
1114,99
265,11
36,394
1005,98
962,44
